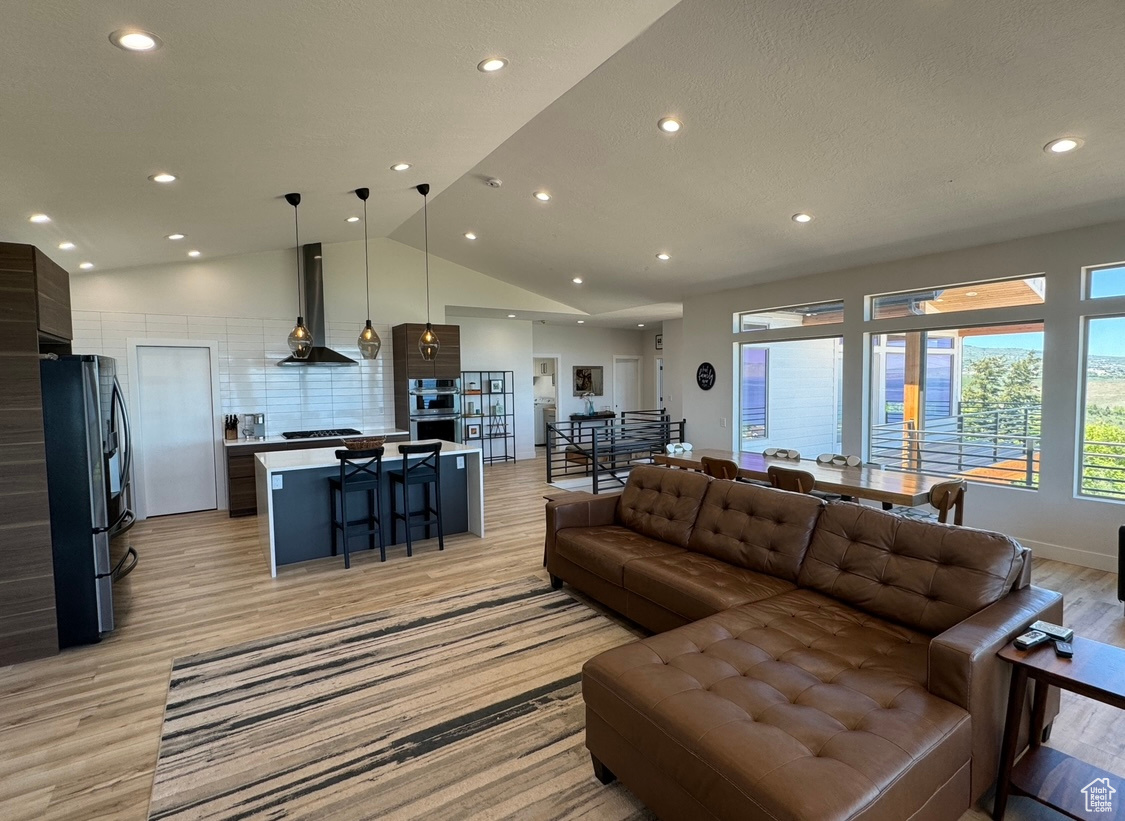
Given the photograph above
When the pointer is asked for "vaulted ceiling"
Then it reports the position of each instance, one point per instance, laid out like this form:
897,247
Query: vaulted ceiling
902,127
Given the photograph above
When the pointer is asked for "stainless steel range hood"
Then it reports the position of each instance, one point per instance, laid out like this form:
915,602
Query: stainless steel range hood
312,281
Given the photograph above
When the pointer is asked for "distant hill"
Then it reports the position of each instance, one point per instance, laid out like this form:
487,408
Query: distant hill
1101,367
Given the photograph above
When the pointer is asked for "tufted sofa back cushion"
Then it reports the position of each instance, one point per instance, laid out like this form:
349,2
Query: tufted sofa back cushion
662,503
926,576
757,528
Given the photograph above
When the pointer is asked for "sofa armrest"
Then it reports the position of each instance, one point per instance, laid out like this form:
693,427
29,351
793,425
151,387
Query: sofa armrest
577,510
964,669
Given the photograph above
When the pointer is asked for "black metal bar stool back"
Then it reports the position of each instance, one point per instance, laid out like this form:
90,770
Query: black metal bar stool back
425,471
360,470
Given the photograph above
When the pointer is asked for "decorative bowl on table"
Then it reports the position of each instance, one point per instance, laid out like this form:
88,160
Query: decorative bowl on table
365,442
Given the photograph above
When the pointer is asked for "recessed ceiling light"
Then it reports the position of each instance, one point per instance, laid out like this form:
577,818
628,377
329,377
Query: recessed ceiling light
135,40
352,219
163,178
175,236
663,257
669,125
511,316
970,293
542,196
577,280
39,218
470,235
66,246
401,166
1063,145
582,322
193,253
491,64
802,217
86,266
640,324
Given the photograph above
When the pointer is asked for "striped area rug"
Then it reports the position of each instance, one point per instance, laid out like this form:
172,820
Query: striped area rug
466,706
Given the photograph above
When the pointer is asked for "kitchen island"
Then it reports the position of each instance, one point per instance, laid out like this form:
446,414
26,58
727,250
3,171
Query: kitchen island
293,501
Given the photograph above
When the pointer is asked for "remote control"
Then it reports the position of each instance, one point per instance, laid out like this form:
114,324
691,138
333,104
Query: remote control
1032,638
1055,631
1064,649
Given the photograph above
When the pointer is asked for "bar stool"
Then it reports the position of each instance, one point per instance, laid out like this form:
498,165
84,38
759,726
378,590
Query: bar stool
360,470
426,472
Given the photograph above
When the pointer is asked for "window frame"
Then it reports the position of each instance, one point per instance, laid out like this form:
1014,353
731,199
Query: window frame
765,391
1038,307
1114,309
1088,272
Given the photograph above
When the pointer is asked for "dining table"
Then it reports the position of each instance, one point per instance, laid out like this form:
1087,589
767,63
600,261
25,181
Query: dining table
861,482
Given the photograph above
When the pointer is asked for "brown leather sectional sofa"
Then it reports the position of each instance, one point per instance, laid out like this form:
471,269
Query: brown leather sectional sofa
812,660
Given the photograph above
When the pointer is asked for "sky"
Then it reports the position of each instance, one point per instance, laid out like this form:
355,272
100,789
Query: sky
1107,336
1107,282
1030,341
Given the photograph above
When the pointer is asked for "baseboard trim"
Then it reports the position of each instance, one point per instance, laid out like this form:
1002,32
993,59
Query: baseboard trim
1072,555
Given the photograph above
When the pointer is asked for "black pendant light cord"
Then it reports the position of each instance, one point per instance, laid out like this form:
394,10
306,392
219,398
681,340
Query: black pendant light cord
366,258
426,233
300,293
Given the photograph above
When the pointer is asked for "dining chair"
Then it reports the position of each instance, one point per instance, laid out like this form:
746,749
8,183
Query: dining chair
943,498
720,468
795,481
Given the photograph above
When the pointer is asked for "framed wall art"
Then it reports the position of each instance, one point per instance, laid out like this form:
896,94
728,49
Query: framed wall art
588,380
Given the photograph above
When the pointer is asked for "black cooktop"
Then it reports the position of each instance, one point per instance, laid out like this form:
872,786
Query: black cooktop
319,434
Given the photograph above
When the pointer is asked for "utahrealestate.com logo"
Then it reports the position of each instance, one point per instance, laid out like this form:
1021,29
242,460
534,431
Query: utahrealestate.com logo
1099,795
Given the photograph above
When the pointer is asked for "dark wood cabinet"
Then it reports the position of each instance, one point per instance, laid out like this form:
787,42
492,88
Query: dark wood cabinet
409,363
32,289
242,486
52,287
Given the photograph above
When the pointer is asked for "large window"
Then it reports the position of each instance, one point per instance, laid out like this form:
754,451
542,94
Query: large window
959,402
792,316
1103,429
790,395
1106,281
979,296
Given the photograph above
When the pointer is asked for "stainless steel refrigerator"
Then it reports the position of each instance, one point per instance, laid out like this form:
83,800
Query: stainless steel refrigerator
89,469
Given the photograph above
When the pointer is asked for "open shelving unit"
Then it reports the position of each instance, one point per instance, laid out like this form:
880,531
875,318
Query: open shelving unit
488,413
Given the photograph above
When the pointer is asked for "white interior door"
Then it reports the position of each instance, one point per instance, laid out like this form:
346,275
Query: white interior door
659,383
177,447
626,384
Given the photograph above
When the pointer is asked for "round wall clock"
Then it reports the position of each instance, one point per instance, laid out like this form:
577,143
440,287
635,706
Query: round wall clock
705,376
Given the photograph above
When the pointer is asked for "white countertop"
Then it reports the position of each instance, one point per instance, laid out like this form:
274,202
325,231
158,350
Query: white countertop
272,440
326,457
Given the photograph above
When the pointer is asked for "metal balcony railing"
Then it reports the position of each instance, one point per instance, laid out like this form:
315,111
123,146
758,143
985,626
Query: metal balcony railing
998,444
1103,469
606,451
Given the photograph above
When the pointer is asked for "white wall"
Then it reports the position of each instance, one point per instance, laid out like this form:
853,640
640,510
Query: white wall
581,345
248,304
676,374
1053,520
249,380
502,345
264,286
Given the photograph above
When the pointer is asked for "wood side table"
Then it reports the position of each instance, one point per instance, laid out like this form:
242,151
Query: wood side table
1047,775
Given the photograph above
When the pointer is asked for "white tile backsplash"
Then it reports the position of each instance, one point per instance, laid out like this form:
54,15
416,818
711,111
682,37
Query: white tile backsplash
249,379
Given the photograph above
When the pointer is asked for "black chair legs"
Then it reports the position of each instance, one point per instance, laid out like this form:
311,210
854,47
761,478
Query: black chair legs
426,473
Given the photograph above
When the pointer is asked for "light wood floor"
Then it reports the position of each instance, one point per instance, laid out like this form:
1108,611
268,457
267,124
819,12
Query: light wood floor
79,732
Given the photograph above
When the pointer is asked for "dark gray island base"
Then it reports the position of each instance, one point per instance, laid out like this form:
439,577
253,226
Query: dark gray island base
296,518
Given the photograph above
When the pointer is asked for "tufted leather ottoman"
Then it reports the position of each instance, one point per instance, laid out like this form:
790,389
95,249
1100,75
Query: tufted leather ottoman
796,707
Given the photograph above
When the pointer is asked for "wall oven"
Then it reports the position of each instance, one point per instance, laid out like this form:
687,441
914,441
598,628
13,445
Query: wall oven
435,409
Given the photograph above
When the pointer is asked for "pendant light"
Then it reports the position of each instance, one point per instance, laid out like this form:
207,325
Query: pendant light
428,343
369,342
300,340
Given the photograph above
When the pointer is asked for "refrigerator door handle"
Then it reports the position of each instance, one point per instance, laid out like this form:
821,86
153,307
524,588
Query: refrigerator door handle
127,439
